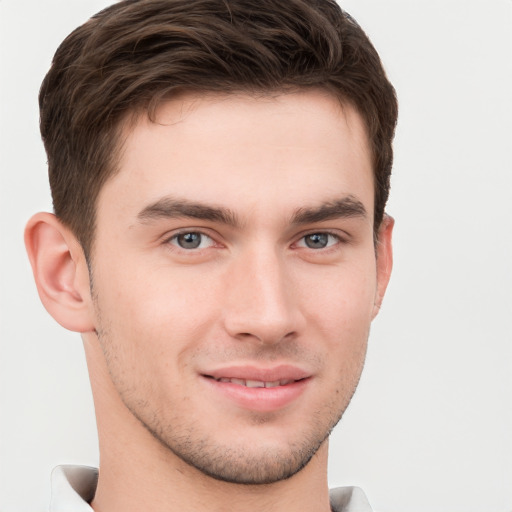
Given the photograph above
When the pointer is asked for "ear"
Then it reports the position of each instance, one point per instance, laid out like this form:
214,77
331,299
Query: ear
60,271
384,252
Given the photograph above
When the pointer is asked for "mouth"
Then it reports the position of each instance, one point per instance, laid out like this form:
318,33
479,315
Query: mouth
257,389
248,383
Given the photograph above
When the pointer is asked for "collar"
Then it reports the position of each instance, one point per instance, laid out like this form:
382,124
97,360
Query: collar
73,487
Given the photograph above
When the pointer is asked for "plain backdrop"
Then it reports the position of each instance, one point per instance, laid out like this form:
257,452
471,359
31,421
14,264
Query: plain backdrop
430,428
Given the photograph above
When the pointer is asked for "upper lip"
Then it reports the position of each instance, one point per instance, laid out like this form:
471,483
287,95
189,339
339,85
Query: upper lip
248,372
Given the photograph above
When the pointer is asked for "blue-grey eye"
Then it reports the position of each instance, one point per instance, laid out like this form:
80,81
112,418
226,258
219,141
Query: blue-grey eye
191,240
320,240
316,240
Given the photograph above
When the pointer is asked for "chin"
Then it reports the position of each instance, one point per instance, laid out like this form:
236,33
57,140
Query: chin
237,465
248,460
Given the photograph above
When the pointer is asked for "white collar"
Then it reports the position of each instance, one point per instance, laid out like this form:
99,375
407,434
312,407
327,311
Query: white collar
73,487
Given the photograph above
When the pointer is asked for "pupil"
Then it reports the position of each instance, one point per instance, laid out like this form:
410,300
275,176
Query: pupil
189,240
316,240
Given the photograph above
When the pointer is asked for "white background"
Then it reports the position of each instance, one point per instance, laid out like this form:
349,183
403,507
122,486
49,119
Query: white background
430,428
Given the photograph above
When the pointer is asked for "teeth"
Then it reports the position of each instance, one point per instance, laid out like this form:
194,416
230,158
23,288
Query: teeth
256,383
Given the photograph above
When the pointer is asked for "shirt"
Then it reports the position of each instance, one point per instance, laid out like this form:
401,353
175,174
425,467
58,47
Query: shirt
73,487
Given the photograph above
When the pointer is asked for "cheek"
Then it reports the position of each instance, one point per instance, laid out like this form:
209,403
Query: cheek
340,300
339,317
152,312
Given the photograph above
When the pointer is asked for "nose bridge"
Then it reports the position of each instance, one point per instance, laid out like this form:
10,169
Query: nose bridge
261,301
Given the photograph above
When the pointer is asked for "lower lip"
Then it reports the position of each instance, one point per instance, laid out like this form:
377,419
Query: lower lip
259,399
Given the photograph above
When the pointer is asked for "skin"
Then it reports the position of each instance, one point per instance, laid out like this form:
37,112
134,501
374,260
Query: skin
261,184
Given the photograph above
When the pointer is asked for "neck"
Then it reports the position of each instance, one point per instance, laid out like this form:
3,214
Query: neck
138,473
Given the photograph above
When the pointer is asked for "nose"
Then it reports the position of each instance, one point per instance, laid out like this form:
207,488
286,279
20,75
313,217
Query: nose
261,301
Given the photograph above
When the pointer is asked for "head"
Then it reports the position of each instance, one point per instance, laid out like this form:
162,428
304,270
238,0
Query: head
219,172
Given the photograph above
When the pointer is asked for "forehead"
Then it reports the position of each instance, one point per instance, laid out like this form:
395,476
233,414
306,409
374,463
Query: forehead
242,150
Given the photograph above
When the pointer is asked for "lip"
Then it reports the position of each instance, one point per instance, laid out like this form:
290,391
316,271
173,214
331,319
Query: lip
258,399
281,372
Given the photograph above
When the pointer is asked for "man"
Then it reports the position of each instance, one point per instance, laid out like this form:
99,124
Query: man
219,172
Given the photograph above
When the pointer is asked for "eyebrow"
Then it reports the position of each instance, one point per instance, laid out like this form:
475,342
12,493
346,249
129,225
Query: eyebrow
168,208
346,207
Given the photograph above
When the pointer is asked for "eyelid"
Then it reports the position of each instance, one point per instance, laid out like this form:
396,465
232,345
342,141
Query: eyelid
171,233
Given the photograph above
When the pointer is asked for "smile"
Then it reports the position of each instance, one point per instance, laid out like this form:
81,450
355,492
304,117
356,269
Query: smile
257,389
255,383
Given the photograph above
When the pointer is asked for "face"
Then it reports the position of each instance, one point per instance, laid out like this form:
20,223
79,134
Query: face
234,277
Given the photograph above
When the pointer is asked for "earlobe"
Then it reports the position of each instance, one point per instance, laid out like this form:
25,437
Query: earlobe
384,252
60,271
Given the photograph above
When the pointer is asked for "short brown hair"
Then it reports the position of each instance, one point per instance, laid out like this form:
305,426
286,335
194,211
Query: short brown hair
135,53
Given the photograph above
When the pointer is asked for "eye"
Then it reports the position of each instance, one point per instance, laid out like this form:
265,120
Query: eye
318,240
191,240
